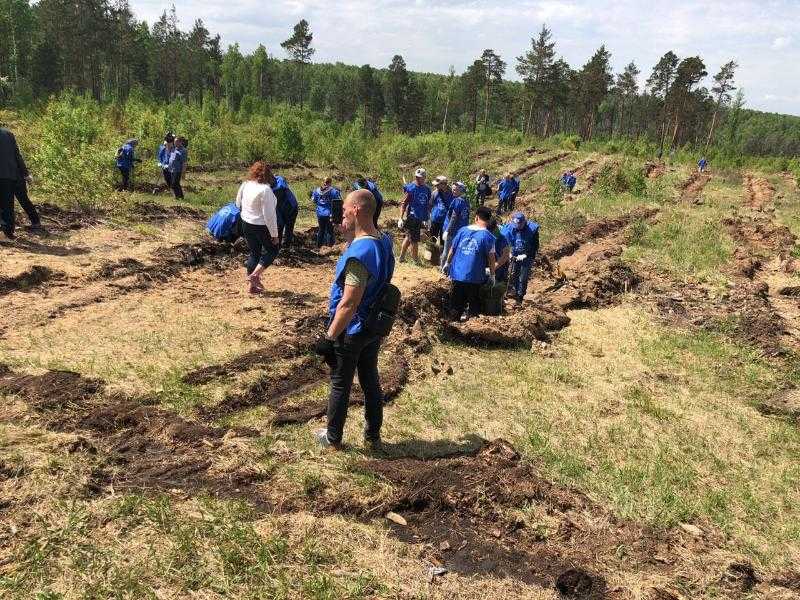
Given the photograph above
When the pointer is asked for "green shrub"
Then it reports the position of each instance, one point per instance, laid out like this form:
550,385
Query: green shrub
289,141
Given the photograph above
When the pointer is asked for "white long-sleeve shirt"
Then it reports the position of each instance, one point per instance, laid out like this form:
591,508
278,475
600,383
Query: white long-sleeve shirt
258,204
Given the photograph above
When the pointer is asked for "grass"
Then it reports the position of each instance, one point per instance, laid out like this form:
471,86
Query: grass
655,423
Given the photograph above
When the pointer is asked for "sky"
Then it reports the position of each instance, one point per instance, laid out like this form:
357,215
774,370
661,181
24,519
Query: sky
762,37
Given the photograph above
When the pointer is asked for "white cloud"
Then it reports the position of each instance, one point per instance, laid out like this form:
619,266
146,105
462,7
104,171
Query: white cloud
433,34
779,43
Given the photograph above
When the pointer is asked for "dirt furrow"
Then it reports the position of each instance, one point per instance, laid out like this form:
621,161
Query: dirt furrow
759,193
693,187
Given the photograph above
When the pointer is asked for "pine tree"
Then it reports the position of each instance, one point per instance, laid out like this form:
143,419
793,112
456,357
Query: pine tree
493,70
298,46
535,69
723,86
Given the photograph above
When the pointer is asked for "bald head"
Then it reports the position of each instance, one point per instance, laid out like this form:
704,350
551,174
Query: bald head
365,202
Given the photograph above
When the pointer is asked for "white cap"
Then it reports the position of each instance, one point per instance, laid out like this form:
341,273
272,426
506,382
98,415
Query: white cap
420,172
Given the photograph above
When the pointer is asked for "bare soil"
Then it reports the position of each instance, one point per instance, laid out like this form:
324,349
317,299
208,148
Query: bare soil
759,193
693,187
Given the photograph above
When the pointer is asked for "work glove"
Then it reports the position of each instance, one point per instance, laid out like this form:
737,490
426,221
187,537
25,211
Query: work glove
29,178
520,257
444,236
427,224
324,347
446,268
400,223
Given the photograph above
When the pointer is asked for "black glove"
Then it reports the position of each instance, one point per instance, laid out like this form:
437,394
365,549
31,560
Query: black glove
323,346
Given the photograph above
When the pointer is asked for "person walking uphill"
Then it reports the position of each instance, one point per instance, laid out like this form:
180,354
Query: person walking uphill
349,344
414,212
126,156
523,237
472,252
259,222
12,168
177,166
323,198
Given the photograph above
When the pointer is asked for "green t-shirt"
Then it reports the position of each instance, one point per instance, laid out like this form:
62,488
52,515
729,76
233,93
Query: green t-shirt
355,273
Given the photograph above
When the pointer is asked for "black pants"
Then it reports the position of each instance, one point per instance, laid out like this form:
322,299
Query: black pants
325,235
436,232
175,181
465,295
7,206
262,251
167,178
286,219
21,192
353,353
126,178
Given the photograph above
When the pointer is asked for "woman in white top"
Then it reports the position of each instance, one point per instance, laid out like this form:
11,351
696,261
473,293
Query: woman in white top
259,222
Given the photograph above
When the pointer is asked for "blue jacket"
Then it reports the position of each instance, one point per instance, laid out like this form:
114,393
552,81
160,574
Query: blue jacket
323,200
284,195
457,216
420,200
378,258
522,241
471,248
507,188
569,180
125,157
163,156
177,159
441,204
372,187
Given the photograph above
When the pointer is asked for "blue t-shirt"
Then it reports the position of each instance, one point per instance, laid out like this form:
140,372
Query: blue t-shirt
420,200
125,157
457,215
522,241
163,156
506,188
471,248
441,204
500,244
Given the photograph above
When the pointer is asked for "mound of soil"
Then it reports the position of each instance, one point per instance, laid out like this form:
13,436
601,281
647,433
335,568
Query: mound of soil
462,509
782,404
144,446
519,328
761,234
537,165
759,193
32,278
692,187
298,342
59,220
654,170
150,211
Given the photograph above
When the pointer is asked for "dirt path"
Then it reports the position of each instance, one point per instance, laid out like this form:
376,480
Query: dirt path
693,187
759,194
654,170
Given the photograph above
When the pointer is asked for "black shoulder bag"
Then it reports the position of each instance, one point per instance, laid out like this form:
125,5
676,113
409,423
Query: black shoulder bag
383,313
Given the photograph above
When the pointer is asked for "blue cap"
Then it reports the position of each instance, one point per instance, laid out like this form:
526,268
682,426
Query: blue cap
518,217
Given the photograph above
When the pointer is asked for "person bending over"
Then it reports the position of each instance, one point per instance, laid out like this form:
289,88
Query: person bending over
471,255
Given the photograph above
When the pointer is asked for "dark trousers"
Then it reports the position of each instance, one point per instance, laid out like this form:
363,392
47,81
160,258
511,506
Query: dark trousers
353,353
520,273
463,296
262,251
167,177
126,178
325,235
286,218
21,192
436,232
175,181
7,206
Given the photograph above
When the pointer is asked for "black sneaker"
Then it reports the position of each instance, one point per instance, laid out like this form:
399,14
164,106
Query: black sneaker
373,446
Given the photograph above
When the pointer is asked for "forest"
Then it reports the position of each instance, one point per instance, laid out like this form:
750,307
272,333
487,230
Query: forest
99,48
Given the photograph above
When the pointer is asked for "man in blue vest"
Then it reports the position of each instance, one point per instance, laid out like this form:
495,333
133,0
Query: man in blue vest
523,237
126,156
362,272
177,166
457,216
441,198
701,165
363,183
471,254
323,198
414,212
506,193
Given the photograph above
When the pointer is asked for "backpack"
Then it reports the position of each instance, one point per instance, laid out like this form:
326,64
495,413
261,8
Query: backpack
383,313
225,225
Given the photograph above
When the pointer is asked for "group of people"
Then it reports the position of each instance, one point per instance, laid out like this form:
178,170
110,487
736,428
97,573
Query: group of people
329,206
172,155
568,181
507,190
14,180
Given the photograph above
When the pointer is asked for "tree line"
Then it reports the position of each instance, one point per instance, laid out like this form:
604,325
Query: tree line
98,47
